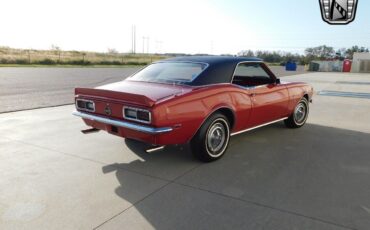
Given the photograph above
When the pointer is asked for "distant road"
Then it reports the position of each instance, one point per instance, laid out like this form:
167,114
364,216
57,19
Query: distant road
29,88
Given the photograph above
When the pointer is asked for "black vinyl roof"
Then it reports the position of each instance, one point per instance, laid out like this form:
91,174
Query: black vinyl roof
220,68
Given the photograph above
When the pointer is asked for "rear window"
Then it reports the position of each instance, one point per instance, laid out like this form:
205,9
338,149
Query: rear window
169,72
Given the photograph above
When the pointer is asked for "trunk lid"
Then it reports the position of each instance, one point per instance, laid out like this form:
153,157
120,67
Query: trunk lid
131,92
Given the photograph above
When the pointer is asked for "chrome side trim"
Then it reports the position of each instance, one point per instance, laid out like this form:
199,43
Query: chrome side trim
123,124
258,126
251,87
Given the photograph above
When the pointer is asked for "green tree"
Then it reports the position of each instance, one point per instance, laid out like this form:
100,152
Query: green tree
246,53
320,52
355,49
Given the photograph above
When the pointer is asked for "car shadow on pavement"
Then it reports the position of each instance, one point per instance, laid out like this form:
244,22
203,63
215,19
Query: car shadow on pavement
315,177
166,164
178,155
139,148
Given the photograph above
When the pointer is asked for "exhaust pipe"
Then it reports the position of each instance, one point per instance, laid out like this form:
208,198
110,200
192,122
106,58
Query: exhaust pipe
92,130
154,148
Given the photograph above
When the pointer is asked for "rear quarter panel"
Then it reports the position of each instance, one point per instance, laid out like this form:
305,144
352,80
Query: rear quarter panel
188,112
296,91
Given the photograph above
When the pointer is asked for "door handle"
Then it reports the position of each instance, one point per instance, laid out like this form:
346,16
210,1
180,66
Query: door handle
252,94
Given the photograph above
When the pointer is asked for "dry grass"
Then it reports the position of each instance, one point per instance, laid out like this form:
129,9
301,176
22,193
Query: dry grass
54,57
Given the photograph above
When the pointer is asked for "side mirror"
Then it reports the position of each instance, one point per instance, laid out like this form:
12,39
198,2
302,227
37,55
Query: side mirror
277,81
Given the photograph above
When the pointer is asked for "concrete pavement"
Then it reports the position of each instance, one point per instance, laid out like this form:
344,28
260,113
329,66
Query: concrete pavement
28,88
316,177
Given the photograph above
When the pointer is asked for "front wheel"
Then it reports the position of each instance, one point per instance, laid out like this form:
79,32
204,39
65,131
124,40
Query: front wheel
299,116
212,139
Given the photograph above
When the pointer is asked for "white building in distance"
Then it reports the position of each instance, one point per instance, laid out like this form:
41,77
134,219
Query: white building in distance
361,63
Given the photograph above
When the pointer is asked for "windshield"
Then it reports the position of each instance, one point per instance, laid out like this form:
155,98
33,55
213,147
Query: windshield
170,72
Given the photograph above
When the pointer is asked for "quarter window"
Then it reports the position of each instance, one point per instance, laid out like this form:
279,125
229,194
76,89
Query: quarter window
251,74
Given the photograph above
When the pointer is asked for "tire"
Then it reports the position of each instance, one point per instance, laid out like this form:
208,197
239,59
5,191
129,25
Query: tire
299,116
212,139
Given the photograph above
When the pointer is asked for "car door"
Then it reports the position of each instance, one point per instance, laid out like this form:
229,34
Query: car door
269,97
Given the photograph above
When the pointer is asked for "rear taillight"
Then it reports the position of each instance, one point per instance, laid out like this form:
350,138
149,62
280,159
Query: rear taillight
143,115
136,114
85,105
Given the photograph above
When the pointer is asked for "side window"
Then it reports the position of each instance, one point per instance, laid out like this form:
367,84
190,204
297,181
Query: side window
251,74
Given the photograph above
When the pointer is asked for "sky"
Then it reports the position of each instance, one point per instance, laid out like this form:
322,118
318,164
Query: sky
171,26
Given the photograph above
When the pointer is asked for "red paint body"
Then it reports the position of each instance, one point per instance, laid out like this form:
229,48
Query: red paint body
347,65
185,108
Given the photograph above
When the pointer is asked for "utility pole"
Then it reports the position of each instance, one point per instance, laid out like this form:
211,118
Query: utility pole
133,39
143,44
147,45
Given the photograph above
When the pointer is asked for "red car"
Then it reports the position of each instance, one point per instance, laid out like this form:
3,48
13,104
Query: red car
197,100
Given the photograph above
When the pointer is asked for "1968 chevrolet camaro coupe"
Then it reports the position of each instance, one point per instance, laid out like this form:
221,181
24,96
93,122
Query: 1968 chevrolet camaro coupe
197,100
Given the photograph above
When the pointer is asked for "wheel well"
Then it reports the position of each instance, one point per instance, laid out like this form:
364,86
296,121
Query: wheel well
229,114
306,96
224,111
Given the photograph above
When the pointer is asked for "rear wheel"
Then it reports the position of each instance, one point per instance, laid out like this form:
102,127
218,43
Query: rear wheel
212,139
299,115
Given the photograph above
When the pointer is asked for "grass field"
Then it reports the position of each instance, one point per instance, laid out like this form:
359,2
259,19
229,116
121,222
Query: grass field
35,58
11,57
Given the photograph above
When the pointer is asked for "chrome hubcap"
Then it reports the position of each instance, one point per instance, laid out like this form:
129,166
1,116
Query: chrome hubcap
216,137
300,113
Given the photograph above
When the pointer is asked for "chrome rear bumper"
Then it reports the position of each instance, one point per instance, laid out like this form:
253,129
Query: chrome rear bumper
123,124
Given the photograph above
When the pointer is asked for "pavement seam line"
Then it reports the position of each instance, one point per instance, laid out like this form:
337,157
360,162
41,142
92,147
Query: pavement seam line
132,205
144,198
266,206
36,108
91,160
118,168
